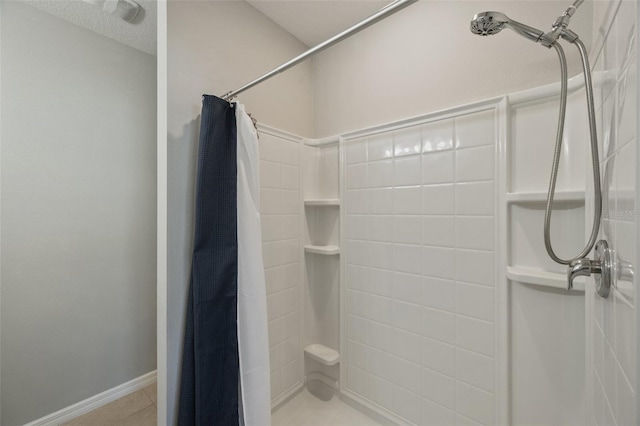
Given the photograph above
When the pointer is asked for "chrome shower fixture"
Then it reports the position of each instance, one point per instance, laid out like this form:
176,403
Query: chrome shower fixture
489,23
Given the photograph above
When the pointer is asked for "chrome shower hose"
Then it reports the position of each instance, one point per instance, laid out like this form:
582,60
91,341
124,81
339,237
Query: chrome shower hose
595,160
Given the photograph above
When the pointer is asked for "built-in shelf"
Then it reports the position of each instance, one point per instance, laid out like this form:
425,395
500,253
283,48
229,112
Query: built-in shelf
322,202
322,354
326,250
528,275
575,197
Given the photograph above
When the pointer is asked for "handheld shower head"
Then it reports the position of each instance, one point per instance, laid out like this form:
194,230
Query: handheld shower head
489,23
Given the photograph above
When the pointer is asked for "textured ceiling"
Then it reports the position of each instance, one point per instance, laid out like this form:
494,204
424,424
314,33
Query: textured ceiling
314,21
141,34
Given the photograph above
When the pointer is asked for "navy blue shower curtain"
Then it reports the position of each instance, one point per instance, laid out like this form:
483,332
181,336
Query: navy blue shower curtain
210,365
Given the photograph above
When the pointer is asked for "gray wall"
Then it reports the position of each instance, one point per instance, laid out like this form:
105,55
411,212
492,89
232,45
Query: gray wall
425,59
78,214
214,47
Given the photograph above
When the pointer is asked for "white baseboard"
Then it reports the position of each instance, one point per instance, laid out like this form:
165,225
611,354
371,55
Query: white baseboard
95,401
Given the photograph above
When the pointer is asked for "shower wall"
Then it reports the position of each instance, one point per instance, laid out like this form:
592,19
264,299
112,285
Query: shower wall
544,319
394,227
613,322
78,218
541,320
420,269
280,213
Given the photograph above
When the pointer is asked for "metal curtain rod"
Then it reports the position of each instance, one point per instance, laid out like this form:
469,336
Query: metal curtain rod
386,11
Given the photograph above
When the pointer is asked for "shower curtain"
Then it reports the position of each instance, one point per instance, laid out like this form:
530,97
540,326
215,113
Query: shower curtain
225,364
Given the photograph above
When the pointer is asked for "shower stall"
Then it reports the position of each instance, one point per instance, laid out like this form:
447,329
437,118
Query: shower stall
407,216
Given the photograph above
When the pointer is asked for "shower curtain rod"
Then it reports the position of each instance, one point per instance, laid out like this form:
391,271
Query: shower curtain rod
386,11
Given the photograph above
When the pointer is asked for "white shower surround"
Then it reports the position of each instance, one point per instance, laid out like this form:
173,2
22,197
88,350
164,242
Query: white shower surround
404,394
281,198
506,193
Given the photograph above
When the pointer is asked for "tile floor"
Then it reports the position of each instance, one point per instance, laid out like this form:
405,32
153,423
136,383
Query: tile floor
304,409
136,409
139,409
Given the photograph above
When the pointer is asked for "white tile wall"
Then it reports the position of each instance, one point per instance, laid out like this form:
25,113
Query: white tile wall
419,270
280,210
614,326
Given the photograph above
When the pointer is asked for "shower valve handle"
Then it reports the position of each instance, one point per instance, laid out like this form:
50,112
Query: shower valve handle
581,268
600,266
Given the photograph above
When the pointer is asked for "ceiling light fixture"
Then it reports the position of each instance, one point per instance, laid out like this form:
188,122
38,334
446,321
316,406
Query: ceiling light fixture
125,9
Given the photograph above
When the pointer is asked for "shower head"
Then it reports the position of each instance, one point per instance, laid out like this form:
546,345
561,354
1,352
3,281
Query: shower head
489,23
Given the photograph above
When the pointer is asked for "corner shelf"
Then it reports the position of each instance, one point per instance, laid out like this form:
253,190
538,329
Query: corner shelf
322,354
322,202
540,197
325,250
528,275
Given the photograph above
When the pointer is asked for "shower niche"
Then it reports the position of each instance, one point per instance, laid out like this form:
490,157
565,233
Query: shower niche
537,284
526,197
321,267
